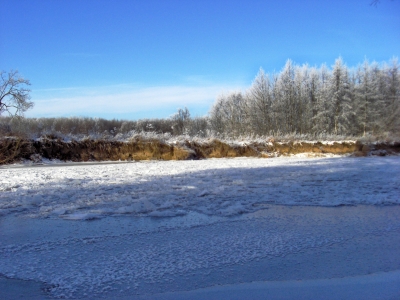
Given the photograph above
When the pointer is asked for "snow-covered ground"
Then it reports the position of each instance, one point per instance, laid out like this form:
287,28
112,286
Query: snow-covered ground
158,229
214,187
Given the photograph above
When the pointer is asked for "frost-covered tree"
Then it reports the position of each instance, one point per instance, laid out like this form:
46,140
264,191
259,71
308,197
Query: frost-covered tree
321,119
229,115
392,112
286,97
259,98
313,86
303,100
217,120
341,102
368,100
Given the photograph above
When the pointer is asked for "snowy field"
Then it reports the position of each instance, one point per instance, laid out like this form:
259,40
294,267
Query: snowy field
160,229
214,187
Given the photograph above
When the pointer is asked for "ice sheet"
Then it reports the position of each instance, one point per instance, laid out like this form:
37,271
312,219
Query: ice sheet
130,256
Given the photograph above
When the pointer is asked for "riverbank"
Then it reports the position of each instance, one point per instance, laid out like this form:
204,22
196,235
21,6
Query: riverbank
140,148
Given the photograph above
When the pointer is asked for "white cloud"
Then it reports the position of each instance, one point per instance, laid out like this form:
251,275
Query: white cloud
120,100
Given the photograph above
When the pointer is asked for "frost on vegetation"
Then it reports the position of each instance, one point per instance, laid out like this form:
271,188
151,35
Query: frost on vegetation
222,187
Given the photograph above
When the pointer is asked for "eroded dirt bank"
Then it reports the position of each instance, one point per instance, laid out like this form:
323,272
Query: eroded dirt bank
12,149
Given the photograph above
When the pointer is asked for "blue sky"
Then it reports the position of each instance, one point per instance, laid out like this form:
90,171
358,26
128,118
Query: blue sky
132,59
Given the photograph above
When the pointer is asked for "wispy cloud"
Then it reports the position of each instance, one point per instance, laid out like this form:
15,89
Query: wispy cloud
120,100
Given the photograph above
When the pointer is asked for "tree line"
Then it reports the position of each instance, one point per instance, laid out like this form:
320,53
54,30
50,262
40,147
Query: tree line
98,128
300,99
310,100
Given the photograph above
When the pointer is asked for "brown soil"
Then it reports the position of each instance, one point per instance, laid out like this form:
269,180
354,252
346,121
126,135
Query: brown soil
314,147
218,149
13,149
90,150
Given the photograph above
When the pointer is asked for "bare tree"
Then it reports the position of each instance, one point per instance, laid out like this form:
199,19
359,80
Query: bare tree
229,115
14,94
181,120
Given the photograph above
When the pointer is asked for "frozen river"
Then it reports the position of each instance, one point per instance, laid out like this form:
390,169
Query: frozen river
169,230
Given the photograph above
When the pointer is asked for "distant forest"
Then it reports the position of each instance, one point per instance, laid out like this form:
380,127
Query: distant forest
300,100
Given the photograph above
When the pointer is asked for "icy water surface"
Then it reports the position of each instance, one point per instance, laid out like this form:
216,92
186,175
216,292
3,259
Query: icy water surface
120,256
